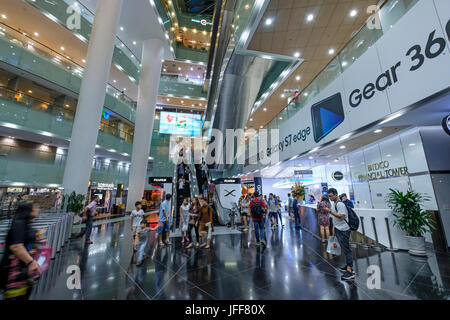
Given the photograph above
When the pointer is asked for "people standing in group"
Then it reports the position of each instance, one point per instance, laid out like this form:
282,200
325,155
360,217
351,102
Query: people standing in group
342,230
205,223
137,216
163,224
244,210
19,243
323,218
290,207
257,209
194,211
279,211
184,220
89,212
273,210
346,201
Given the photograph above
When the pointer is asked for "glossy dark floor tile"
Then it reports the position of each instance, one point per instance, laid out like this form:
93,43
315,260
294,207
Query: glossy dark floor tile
294,266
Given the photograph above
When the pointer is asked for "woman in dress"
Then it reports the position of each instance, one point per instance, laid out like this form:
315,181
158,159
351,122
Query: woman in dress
323,218
184,220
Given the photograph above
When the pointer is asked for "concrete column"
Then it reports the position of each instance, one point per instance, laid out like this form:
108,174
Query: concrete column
92,97
152,56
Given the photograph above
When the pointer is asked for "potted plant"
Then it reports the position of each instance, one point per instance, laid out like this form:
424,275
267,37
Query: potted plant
75,204
411,218
298,191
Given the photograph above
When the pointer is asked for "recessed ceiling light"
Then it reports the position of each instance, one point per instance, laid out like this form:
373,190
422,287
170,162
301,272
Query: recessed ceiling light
344,64
192,69
331,51
336,160
305,94
282,95
134,42
412,144
121,28
265,109
167,99
297,54
4,16
251,119
36,34
179,68
114,81
353,13
30,91
124,89
261,127
378,131
310,158
310,17
62,48
297,78
342,147
281,118
182,101
83,60
269,21
388,155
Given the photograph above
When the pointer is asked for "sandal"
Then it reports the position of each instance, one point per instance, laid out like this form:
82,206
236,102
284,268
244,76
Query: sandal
162,244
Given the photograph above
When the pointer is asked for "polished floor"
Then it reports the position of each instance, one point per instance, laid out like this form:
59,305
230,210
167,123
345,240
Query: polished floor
294,266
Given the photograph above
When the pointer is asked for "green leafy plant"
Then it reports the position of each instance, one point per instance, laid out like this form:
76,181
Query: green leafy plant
408,213
75,202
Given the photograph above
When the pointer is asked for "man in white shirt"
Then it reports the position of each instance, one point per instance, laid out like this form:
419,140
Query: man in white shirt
136,217
339,214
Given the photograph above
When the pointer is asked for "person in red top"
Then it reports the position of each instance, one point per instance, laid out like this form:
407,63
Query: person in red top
257,210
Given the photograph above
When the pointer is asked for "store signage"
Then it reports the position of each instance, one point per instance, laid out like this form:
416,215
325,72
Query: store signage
105,186
302,172
290,140
337,175
159,180
258,184
382,170
446,120
229,181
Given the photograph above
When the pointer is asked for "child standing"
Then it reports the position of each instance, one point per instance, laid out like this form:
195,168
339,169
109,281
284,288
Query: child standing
136,218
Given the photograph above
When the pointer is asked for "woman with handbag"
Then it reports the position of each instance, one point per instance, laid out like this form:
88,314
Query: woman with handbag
18,265
193,216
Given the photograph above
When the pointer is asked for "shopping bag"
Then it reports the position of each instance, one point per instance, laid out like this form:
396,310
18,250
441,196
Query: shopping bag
333,246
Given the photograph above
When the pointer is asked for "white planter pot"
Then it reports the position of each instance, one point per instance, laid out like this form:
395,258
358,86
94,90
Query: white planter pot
416,246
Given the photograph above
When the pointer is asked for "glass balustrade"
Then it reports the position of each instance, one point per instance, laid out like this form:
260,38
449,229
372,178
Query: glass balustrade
36,167
27,54
30,112
389,14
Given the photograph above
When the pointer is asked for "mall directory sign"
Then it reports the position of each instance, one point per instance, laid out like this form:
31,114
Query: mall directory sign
180,123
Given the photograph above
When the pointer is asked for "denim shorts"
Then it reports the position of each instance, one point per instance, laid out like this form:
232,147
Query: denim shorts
163,227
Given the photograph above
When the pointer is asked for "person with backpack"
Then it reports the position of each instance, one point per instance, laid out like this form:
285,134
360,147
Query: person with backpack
340,215
257,209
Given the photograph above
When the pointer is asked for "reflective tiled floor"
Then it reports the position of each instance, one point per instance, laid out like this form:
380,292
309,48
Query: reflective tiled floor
294,265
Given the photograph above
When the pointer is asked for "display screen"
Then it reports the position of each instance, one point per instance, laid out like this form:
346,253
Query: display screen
326,116
180,123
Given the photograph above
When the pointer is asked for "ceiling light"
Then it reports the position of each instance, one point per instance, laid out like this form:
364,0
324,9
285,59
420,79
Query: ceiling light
344,64
29,91
297,78
353,13
261,127
331,51
265,109
179,68
378,131
167,99
395,116
182,101
4,16
282,95
297,54
388,155
114,81
412,144
305,94
269,21
310,158
281,118
336,160
124,89
134,42
121,28
36,34
84,60
251,119
342,147
192,69
310,17
62,48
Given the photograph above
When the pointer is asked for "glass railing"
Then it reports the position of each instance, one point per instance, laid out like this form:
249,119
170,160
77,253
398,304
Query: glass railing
168,85
56,10
27,54
390,12
36,167
34,113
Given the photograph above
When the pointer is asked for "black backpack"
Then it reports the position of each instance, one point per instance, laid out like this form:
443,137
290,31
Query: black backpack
353,219
257,210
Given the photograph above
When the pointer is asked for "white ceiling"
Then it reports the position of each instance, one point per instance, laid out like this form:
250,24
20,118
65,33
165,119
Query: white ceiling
140,23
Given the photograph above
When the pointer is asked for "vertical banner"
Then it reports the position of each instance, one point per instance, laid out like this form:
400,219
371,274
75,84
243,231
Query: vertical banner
258,184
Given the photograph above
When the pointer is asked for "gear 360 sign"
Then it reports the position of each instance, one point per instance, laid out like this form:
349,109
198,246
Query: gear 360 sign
434,47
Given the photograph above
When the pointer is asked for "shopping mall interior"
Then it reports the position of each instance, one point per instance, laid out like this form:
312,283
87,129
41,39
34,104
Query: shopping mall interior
192,150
